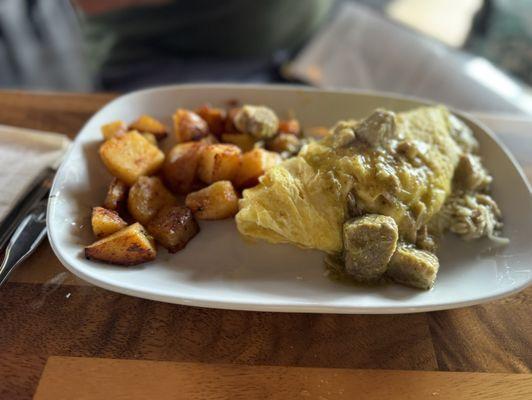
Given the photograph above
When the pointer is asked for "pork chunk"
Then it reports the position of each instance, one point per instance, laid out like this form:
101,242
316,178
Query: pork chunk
258,121
462,135
470,174
343,135
378,128
369,243
413,267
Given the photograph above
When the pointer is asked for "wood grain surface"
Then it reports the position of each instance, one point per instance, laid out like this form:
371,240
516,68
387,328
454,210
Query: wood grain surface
46,311
74,378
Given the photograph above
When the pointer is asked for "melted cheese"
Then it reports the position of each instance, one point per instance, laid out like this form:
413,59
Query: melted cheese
407,177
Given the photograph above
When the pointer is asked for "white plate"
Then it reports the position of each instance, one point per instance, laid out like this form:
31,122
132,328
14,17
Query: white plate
219,269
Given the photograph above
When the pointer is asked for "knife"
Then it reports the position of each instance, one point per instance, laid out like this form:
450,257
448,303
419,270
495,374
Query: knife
25,239
35,193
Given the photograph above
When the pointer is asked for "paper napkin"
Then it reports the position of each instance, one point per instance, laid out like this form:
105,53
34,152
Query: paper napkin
24,154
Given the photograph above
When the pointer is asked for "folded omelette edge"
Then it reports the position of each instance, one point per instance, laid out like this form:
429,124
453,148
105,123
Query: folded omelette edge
303,201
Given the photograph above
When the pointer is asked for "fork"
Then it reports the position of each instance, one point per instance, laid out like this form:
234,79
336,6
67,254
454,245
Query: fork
25,239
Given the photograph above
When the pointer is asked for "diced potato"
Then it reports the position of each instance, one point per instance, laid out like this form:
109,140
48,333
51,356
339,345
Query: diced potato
105,222
113,128
219,162
284,142
116,195
189,126
147,196
210,139
217,201
230,120
173,227
129,156
148,124
318,132
242,140
290,126
129,246
150,137
254,164
260,144
215,118
181,165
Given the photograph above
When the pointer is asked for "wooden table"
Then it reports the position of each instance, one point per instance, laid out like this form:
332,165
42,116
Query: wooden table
92,341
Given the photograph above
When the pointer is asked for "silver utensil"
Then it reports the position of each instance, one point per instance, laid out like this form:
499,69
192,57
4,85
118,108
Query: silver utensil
35,193
26,238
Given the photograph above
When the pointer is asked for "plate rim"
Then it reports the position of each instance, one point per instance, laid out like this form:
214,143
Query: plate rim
291,307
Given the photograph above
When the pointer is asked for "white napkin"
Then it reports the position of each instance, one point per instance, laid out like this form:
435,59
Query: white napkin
24,154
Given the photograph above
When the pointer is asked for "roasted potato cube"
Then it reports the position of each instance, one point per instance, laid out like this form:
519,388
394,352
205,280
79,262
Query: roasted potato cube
284,142
217,201
318,132
148,124
150,137
129,156
116,195
129,246
181,165
189,126
210,139
219,162
290,126
113,128
147,196
242,140
214,117
173,227
105,222
230,120
259,121
254,164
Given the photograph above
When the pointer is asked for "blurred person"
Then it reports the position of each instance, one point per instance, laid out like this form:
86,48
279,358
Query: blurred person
502,33
131,39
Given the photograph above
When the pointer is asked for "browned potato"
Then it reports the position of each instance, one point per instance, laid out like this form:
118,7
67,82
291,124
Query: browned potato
105,222
147,196
318,132
210,139
181,165
129,156
230,120
116,195
189,126
148,124
113,128
284,142
242,140
215,118
219,162
150,137
254,164
173,227
217,201
129,246
290,126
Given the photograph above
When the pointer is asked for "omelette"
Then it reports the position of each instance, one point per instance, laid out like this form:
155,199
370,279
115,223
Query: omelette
375,186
